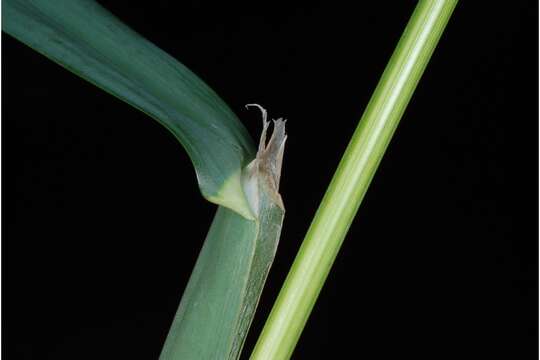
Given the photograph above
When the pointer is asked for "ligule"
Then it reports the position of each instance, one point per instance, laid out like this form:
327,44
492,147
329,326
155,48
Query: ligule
267,164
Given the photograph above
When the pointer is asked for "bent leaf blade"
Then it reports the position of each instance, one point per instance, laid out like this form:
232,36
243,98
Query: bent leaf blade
86,39
219,303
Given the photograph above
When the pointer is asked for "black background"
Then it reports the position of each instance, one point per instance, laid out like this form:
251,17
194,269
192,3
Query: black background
102,219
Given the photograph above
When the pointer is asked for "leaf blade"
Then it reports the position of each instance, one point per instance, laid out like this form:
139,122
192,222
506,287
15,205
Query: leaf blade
89,41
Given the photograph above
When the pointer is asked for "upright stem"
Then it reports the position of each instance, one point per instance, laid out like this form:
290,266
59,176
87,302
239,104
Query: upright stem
351,180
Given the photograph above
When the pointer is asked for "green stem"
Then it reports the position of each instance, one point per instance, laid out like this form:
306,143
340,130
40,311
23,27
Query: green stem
351,180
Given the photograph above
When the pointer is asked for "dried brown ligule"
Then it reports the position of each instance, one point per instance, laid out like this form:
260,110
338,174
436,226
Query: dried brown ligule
265,169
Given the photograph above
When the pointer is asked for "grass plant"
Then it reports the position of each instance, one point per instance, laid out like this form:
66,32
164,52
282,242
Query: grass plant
219,302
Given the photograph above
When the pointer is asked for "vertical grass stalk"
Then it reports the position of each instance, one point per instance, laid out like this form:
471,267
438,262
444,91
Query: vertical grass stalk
351,180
